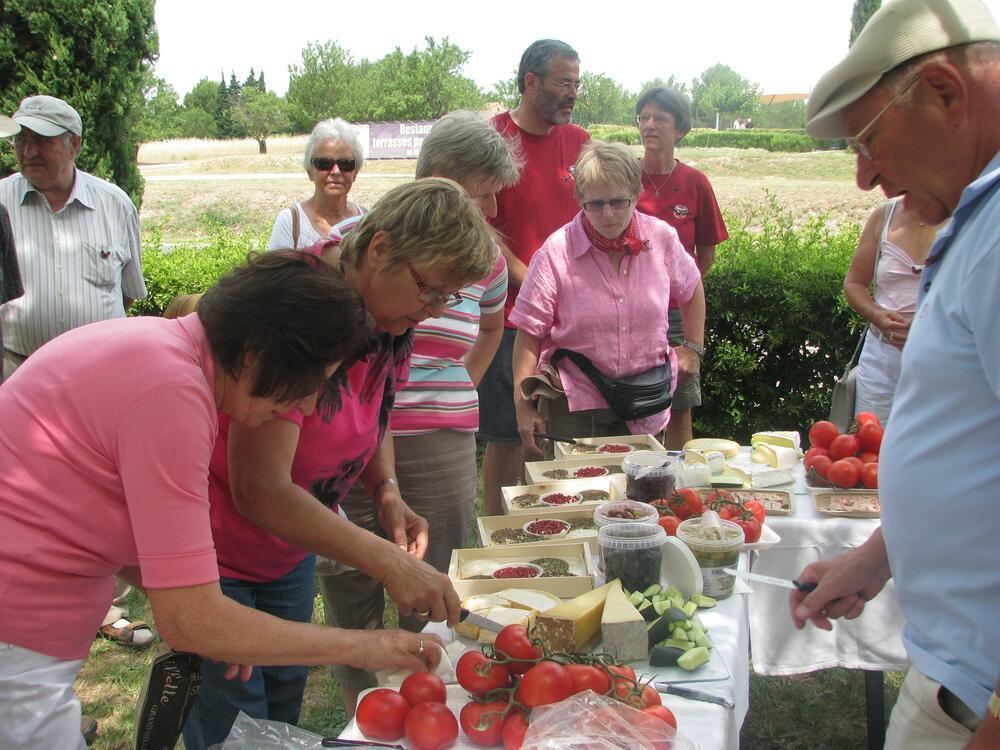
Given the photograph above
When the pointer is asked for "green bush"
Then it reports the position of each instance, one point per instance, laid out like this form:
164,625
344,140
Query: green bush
188,269
789,141
627,134
778,329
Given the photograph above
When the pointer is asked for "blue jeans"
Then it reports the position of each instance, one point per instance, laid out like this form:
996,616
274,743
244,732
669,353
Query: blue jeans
273,693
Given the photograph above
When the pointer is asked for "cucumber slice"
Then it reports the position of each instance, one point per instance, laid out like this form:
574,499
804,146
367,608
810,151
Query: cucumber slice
652,590
665,656
694,658
704,602
689,609
673,591
673,643
636,598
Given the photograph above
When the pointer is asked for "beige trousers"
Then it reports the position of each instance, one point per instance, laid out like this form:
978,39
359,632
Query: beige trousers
919,723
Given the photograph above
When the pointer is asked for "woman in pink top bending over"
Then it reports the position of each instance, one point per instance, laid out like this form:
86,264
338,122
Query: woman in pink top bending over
601,286
891,253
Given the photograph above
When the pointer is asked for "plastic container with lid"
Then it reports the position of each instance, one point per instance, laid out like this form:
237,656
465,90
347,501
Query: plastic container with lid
650,475
632,552
624,511
713,554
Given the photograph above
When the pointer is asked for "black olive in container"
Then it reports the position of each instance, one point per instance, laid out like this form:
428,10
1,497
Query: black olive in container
650,475
632,552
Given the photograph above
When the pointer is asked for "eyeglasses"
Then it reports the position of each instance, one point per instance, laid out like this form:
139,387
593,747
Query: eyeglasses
856,143
659,119
431,296
325,164
617,204
568,85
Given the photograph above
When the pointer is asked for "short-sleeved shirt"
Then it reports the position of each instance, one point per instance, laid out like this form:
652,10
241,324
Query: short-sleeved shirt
283,231
544,198
104,453
439,395
939,473
76,264
573,298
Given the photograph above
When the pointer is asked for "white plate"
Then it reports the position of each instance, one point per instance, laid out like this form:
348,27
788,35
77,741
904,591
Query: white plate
768,538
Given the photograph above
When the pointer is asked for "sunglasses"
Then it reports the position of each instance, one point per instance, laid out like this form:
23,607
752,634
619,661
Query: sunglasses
325,164
617,204
431,296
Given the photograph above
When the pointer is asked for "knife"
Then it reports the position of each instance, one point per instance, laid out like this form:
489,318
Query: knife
337,742
480,621
556,438
695,695
795,585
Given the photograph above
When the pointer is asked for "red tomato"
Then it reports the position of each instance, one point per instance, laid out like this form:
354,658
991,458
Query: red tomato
822,433
844,446
546,682
845,474
820,467
869,476
750,525
755,507
669,524
623,677
730,511
648,697
421,687
483,722
586,677
430,726
867,457
515,727
686,502
870,436
812,453
717,498
867,417
381,714
663,713
514,643
480,674
856,462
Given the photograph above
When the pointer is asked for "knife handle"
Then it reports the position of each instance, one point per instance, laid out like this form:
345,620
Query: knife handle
804,586
695,695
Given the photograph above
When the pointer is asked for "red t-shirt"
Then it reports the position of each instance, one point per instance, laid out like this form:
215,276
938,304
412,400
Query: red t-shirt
543,199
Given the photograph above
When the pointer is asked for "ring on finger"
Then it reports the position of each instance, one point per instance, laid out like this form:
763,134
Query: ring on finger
422,612
420,647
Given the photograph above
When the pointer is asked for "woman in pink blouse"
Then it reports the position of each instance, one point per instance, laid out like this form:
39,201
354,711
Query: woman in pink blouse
601,286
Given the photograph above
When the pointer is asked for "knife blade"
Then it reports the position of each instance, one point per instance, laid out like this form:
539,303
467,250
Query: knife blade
695,695
795,585
555,438
480,621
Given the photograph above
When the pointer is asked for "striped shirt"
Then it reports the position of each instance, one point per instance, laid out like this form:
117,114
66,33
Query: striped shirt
76,263
439,394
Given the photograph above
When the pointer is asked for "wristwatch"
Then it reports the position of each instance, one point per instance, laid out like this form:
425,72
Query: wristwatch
694,346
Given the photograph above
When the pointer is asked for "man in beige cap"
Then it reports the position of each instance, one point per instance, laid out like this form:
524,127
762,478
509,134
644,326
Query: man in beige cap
77,236
918,99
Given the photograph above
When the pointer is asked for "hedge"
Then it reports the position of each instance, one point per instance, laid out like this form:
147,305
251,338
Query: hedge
793,141
778,330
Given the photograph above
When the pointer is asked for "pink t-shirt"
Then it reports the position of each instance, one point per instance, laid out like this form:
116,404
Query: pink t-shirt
573,298
104,452
335,444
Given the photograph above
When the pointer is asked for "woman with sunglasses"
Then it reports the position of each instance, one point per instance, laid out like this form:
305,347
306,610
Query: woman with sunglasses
276,489
600,286
332,160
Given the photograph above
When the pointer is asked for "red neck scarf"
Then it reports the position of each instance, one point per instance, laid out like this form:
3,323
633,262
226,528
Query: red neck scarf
627,242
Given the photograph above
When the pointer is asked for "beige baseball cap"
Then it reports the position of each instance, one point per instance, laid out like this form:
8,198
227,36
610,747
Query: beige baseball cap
899,31
8,126
48,116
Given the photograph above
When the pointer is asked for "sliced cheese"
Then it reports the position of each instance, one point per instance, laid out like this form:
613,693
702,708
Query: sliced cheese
530,599
572,624
759,476
623,630
782,438
775,456
480,604
692,456
728,448
504,616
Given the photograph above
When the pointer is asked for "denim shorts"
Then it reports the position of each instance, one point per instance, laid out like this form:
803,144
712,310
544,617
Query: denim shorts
497,420
688,392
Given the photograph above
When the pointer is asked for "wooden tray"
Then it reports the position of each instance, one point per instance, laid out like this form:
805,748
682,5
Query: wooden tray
565,451
487,525
565,587
822,500
568,486
534,471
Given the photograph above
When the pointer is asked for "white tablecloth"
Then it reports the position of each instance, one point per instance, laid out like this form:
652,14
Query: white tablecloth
872,641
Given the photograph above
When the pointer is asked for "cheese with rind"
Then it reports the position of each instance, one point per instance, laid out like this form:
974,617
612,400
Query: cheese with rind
623,629
783,438
728,448
572,624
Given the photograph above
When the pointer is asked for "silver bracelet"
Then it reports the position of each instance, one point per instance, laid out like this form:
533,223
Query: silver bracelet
382,483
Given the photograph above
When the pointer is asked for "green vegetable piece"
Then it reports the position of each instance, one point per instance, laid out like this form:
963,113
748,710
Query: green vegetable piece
694,658
665,656
636,598
648,612
689,609
705,602
673,591
661,607
652,590
674,643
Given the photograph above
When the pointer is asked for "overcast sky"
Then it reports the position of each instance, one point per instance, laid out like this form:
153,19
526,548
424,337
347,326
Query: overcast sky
782,45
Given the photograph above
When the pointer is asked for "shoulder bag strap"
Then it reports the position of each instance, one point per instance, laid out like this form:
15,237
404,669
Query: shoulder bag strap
294,208
585,365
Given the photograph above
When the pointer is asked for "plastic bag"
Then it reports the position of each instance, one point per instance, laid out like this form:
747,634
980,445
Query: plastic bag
588,721
261,734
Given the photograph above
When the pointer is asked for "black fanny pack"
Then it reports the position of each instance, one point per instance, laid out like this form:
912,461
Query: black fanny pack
633,397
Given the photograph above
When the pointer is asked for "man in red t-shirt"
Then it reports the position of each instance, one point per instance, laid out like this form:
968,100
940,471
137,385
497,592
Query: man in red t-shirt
527,213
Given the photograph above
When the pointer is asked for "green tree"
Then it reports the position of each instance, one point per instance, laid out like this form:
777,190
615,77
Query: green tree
720,89
603,100
161,115
325,84
505,92
261,116
673,82
201,103
223,110
787,115
204,96
862,11
93,55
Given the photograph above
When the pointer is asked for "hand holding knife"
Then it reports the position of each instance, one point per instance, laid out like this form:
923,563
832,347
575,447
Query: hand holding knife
795,585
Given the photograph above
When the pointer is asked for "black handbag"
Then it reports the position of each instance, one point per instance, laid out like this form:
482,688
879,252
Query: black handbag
633,397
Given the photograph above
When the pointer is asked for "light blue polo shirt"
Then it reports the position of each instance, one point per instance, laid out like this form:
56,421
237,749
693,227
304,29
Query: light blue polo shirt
939,472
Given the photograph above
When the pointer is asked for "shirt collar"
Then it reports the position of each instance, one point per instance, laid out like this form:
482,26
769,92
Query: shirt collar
81,191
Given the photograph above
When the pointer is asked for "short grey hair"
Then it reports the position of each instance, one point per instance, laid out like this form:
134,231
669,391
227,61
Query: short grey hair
334,129
538,58
611,165
462,145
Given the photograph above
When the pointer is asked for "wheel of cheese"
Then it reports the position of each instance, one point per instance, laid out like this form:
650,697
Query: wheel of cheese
728,448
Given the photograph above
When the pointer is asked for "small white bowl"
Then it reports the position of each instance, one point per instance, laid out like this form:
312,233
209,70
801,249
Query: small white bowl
558,535
537,568
544,499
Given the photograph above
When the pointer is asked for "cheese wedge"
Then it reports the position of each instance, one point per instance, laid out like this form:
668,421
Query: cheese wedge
759,476
775,456
539,601
504,616
782,438
572,624
728,448
623,629
692,456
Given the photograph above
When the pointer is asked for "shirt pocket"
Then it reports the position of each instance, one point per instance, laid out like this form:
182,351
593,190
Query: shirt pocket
103,265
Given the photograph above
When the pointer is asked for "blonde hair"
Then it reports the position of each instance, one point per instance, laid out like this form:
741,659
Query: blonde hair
431,223
181,305
462,145
607,165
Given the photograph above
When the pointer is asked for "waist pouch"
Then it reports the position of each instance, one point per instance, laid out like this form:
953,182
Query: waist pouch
629,398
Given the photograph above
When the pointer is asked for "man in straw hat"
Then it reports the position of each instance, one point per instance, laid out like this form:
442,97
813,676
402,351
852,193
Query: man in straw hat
918,99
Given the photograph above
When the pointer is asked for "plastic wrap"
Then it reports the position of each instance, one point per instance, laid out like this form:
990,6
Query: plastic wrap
261,734
588,721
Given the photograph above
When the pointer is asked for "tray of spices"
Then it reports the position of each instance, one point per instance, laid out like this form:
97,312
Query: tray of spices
564,568
584,467
559,494
542,528
612,445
